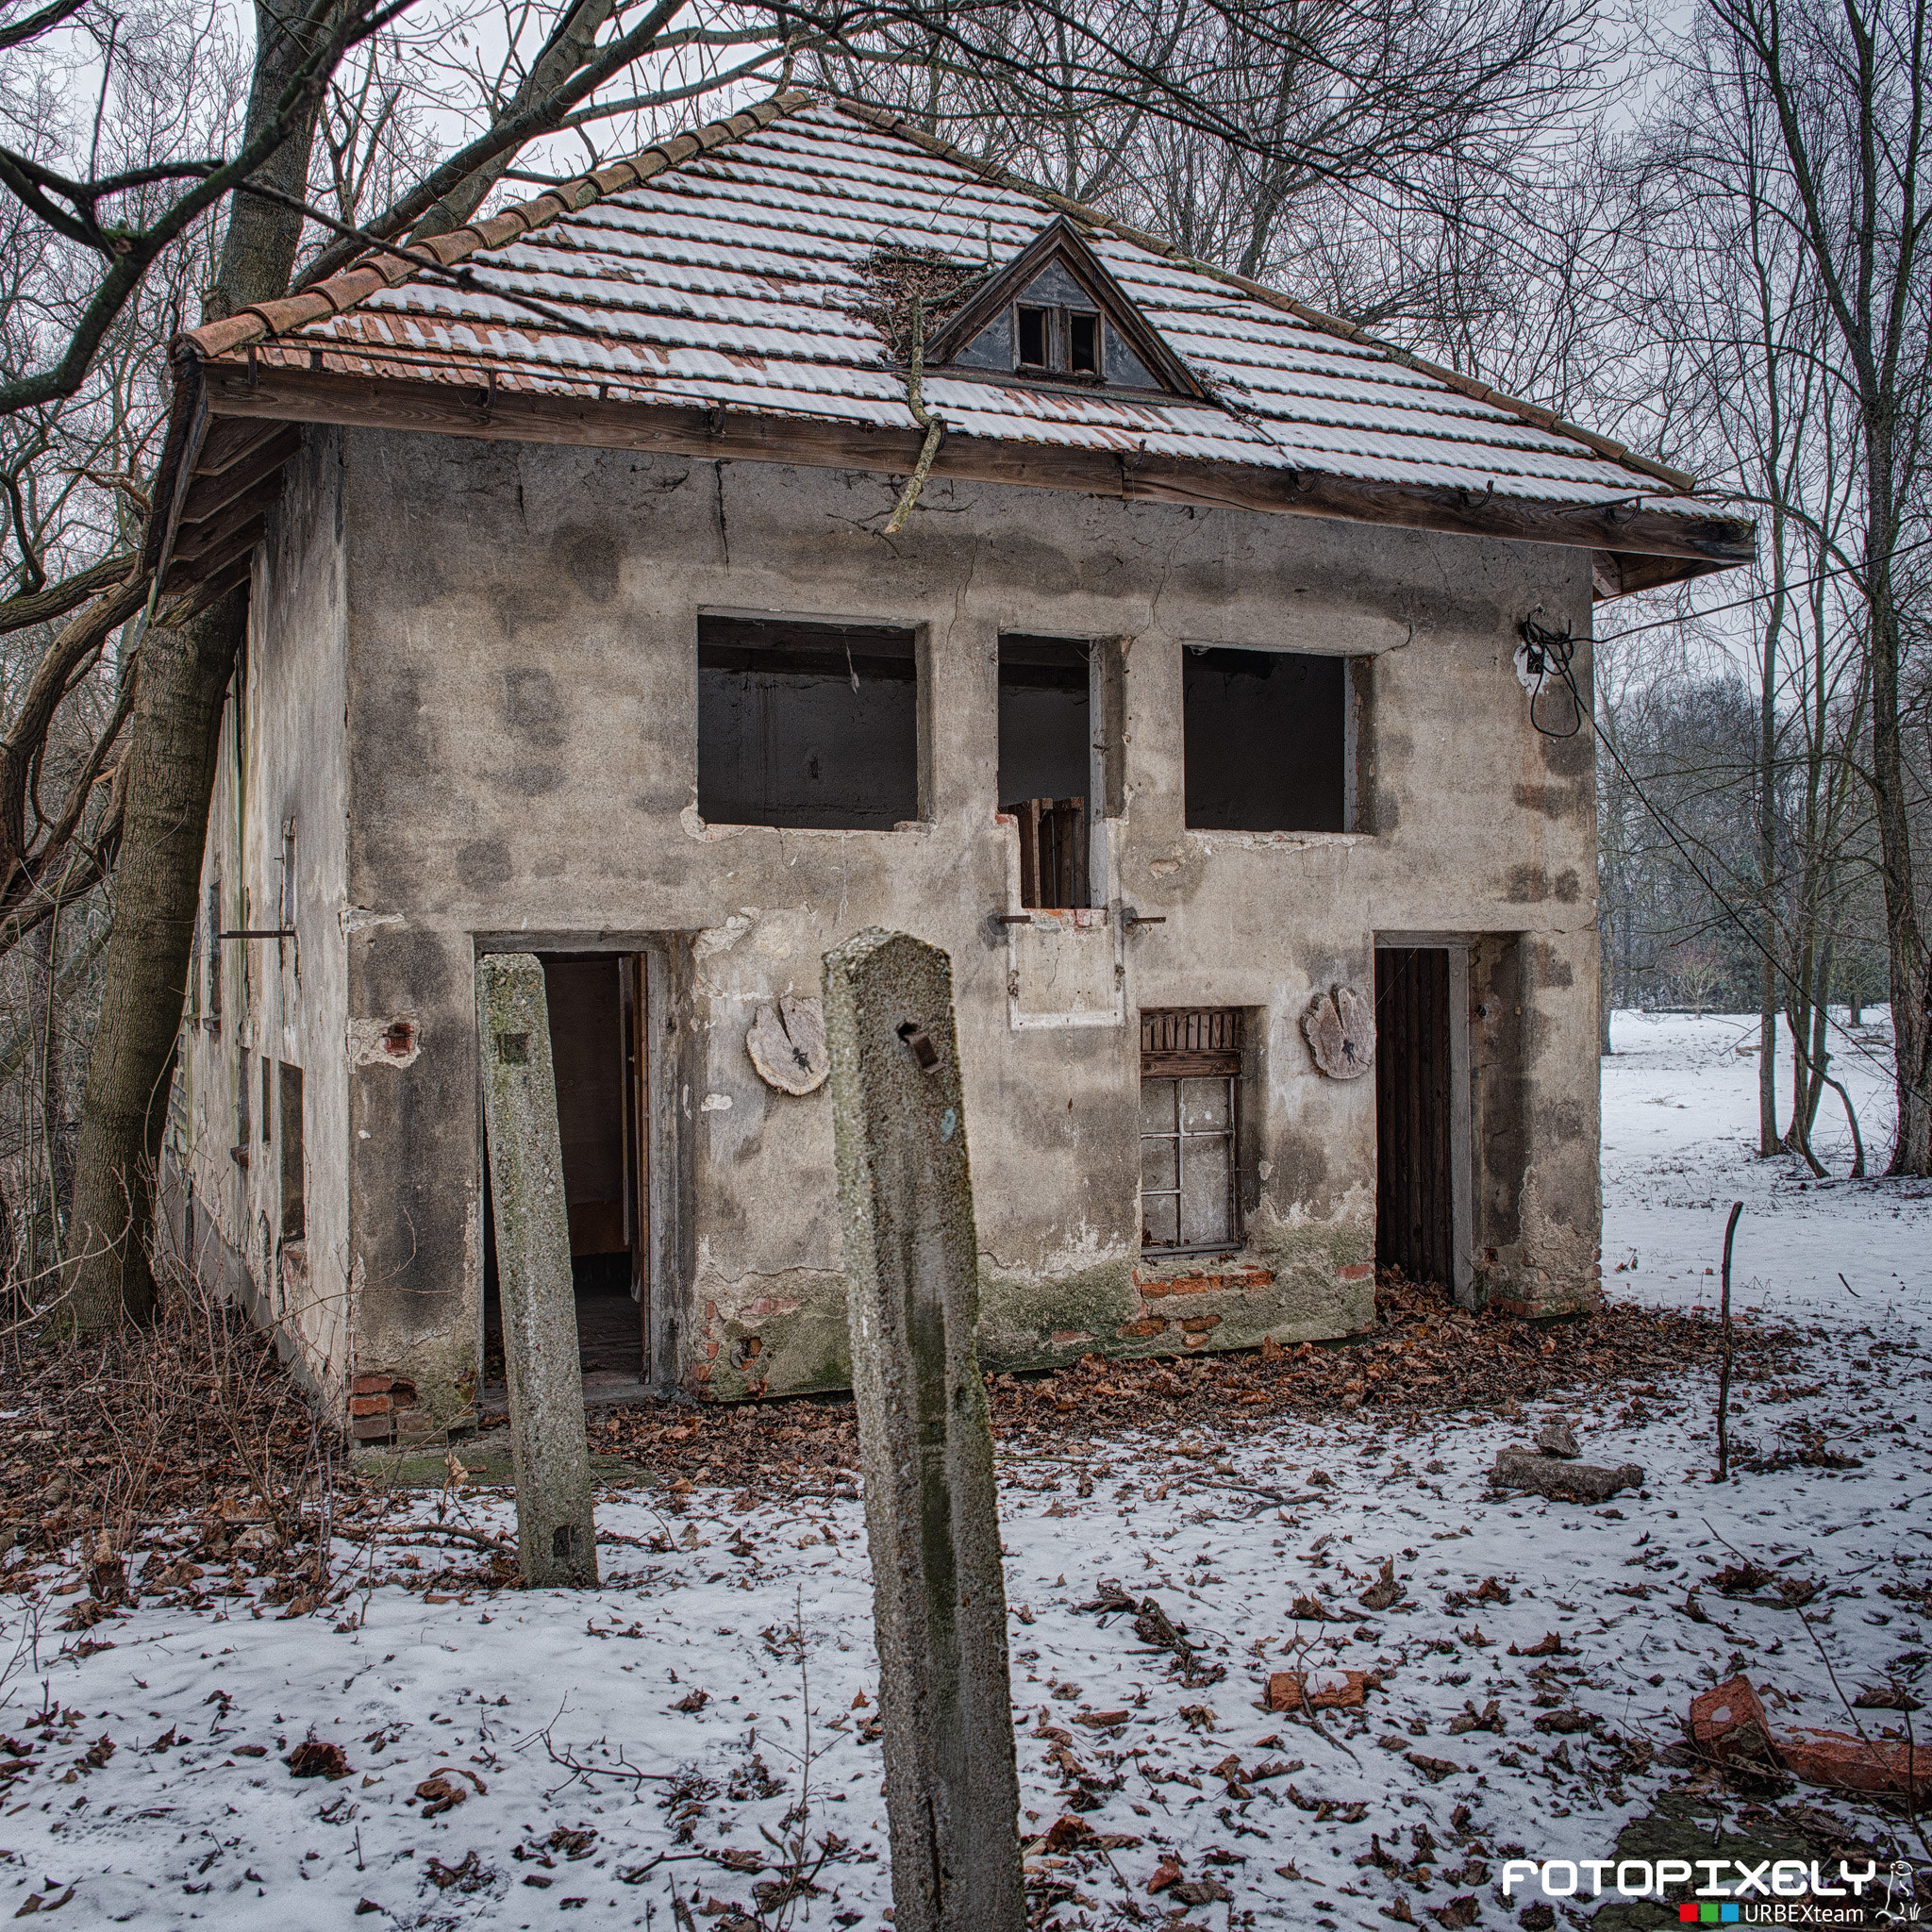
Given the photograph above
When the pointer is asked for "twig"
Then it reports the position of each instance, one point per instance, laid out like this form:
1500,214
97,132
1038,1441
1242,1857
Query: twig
935,427
1723,1374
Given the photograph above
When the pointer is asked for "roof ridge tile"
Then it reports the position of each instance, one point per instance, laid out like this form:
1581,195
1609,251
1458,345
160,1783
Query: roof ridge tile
336,293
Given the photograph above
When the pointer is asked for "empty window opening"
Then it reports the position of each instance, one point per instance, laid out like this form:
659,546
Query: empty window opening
294,1178
1036,337
214,951
1046,760
812,726
243,1131
1414,1216
1083,343
593,1000
268,1098
1190,1065
1266,739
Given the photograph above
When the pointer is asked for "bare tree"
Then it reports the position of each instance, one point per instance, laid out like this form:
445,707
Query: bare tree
1845,87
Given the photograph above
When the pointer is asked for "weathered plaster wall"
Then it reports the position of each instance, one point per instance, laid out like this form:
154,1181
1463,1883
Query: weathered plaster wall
522,693
283,757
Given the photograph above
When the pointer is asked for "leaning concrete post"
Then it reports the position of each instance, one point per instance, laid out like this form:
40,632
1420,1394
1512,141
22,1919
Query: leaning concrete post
557,1539
931,1511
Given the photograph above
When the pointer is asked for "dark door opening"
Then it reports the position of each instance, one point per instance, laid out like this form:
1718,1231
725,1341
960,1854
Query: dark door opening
595,1004
1414,1153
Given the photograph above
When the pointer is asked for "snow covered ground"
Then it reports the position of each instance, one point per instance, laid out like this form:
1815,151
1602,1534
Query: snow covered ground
726,1658
1680,1139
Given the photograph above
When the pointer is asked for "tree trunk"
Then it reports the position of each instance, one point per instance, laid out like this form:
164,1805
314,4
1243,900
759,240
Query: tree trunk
171,751
184,683
1911,967
259,250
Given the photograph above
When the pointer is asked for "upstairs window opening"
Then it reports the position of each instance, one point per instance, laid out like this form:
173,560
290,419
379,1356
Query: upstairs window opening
809,726
1083,344
1034,329
1058,763
1268,740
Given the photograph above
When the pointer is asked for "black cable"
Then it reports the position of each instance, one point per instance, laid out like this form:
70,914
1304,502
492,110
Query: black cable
1559,650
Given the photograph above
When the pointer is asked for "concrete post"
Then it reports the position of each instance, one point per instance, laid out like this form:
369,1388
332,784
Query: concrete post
931,1511
557,1539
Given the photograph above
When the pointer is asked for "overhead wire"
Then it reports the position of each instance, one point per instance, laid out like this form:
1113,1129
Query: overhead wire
1755,597
1559,649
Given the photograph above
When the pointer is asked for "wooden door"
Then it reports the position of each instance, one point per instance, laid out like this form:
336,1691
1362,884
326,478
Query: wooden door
1414,1214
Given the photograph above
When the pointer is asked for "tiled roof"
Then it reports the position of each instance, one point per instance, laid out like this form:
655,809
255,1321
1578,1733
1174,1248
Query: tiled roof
725,271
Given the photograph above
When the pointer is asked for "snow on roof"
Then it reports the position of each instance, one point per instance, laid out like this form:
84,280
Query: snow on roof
727,270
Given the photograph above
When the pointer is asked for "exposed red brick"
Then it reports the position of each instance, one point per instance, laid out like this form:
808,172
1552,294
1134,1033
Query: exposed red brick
1228,1278
1199,1325
1138,1331
371,1384
370,1428
369,1404
1729,1721
1850,1764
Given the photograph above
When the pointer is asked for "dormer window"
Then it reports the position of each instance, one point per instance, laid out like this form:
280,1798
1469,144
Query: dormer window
1056,341
1055,314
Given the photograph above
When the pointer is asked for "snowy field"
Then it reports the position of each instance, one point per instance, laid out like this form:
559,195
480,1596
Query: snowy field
716,1693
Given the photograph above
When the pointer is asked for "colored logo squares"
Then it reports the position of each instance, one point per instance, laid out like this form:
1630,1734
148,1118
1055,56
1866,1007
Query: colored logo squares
1707,1913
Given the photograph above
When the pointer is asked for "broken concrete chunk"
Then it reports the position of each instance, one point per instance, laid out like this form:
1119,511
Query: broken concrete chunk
1562,1482
1555,1439
787,1045
1339,1026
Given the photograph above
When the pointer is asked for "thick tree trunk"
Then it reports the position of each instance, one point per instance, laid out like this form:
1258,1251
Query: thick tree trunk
184,683
259,250
184,680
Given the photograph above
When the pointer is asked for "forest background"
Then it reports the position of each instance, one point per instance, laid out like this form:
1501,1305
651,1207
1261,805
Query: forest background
1699,229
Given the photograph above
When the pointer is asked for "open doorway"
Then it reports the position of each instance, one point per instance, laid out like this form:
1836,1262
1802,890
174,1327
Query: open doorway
1422,1203
596,1002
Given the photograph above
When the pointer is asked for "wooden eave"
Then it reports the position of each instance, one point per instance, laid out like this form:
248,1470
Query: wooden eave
249,415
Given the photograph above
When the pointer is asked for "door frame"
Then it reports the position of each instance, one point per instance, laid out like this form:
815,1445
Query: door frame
652,1202
1461,1099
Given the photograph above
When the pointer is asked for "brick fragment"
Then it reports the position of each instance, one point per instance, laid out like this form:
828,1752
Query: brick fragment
1199,1325
1140,1331
371,1384
369,1404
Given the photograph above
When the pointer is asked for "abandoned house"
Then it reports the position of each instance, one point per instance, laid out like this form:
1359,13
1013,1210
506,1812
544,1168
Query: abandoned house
1189,707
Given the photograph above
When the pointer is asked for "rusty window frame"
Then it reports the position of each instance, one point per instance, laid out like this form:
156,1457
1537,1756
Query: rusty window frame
1181,1045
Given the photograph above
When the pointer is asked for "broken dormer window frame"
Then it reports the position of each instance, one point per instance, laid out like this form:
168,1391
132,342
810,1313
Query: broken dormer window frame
1108,306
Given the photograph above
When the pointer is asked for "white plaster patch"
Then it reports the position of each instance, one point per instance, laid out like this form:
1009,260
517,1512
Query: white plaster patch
721,938
715,1103
360,918
394,1040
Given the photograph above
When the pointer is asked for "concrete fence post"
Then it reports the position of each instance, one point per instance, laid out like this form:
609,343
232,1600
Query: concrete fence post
557,1538
926,1443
